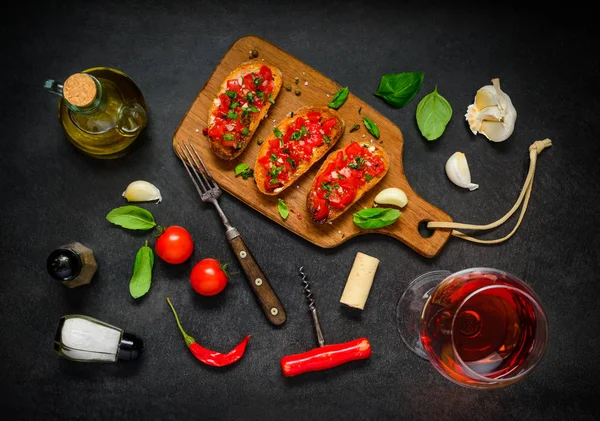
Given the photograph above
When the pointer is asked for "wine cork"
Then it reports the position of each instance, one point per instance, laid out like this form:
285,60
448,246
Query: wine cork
79,89
359,281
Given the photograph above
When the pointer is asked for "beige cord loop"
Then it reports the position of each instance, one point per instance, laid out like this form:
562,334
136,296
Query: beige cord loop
534,150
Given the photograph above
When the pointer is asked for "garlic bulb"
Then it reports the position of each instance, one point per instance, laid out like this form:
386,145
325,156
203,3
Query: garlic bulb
141,191
392,196
458,172
492,113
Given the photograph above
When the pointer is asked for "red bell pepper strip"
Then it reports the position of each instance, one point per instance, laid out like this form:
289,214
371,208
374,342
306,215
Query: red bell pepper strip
327,356
207,356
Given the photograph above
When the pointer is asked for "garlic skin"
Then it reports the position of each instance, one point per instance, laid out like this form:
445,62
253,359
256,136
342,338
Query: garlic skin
142,191
457,170
392,196
492,114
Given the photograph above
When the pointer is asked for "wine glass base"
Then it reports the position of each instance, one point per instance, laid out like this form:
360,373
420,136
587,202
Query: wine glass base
410,306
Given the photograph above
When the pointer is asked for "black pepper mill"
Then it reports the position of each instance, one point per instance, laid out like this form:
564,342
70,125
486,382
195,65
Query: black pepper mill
73,264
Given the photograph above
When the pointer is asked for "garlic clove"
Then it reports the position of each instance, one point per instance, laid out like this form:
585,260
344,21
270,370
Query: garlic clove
457,170
142,191
391,196
491,104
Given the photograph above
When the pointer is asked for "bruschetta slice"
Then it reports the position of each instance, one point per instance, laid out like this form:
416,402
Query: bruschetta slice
243,100
344,177
295,145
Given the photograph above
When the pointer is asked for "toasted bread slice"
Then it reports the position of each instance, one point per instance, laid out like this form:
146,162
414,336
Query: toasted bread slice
295,145
344,177
242,102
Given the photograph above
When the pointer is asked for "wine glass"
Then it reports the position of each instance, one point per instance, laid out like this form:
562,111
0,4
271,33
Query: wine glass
479,327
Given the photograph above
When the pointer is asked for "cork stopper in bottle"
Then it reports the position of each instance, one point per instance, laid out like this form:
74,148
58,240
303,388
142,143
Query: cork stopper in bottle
79,89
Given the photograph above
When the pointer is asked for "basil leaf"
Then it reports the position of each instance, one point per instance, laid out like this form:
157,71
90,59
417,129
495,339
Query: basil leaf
371,127
283,209
132,217
355,127
433,114
240,168
398,89
140,282
375,217
277,133
339,98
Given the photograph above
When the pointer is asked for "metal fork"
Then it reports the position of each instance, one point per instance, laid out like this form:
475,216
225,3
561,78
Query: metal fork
209,191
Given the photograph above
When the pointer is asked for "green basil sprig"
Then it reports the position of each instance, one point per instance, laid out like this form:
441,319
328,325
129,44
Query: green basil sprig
375,217
433,114
371,127
244,170
339,98
398,89
140,282
283,209
132,217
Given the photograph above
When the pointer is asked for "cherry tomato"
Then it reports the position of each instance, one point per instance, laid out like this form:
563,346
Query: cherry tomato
174,245
208,277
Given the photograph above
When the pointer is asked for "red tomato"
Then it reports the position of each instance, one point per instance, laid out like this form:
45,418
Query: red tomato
208,277
175,245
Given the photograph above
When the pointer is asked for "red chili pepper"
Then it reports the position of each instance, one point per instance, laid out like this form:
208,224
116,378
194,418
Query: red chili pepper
208,356
327,356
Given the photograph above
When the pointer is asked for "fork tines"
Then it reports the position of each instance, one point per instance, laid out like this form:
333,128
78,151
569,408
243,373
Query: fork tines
194,161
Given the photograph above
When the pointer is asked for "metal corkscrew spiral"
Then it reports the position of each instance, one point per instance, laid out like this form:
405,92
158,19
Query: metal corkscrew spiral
311,306
307,291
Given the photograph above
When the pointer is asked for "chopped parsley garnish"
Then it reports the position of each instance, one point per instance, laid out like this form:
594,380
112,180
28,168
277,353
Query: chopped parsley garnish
234,105
239,145
326,139
298,135
271,100
277,133
228,136
326,186
257,80
250,97
253,109
232,115
273,157
230,94
245,131
292,162
358,162
368,177
274,181
275,171
261,95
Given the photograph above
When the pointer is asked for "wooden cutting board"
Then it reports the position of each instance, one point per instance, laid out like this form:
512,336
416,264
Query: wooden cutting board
316,89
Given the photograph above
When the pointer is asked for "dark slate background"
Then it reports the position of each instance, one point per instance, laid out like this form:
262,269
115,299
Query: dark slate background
51,194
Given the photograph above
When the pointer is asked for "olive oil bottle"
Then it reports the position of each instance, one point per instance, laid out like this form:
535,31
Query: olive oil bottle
102,111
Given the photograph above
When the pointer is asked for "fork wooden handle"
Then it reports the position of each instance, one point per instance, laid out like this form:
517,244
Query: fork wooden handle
263,291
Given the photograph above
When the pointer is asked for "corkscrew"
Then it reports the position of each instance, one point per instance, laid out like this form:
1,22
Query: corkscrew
325,356
311,306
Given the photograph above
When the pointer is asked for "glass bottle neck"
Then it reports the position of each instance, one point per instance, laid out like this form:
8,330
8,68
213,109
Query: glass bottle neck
98,104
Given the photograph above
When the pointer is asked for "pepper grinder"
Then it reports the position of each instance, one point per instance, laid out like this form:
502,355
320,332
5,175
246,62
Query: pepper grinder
73,264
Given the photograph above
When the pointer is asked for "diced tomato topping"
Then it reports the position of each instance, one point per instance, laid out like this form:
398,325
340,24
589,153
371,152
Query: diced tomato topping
248,81
297,145
338,184
314,116
320,206
328,125
265,73
234,86
299,123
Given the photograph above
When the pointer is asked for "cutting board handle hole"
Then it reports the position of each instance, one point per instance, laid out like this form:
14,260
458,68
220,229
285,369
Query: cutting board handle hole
424,230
